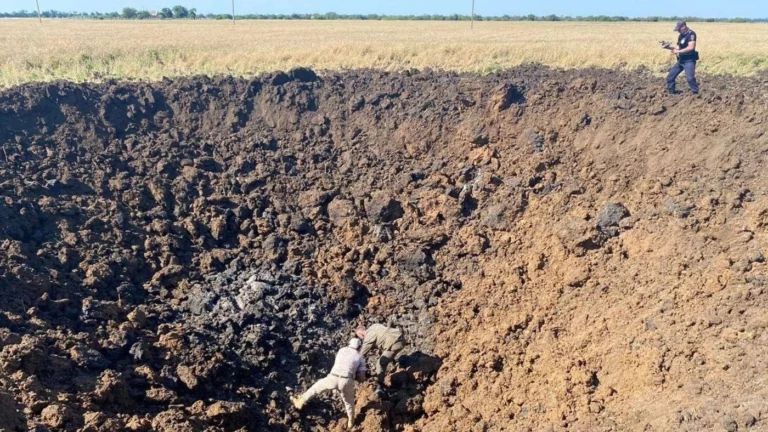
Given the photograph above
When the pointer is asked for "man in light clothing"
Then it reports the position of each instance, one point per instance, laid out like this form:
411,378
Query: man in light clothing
388,340
348,367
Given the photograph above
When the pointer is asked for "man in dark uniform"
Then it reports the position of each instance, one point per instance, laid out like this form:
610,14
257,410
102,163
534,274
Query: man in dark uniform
686,58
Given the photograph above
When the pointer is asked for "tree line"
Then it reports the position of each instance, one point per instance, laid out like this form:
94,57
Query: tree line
176,12
181,12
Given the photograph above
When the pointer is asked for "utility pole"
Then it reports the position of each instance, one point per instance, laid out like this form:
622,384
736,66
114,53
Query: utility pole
38,11
233,12
472,20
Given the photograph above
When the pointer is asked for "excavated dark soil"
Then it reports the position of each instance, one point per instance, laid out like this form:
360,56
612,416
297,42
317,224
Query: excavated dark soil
565,250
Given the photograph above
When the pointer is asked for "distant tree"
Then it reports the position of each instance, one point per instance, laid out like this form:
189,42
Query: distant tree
193,13
166,13
180,12
143,15
129,13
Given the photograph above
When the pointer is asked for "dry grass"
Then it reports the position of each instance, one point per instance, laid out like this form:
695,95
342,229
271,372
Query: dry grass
93,50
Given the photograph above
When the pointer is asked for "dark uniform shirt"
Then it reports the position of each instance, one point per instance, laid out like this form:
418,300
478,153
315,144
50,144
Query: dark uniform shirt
682,42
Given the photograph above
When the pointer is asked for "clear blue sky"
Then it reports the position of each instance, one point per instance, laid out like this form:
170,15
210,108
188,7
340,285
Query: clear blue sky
642,8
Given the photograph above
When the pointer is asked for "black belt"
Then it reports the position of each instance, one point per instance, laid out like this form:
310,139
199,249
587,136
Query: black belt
340,376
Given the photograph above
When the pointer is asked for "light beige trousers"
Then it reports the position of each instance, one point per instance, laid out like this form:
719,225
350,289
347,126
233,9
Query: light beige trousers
345,386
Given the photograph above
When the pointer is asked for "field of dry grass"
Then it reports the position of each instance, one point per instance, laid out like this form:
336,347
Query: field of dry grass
94,50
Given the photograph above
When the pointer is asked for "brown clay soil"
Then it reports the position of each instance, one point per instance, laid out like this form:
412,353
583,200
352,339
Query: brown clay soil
564,250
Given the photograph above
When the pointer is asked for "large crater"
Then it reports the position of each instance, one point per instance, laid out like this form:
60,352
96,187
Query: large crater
565,250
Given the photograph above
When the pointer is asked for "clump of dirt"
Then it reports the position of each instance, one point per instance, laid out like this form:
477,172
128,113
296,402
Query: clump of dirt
564,250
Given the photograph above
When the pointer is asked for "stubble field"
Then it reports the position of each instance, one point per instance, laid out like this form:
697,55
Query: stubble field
97,50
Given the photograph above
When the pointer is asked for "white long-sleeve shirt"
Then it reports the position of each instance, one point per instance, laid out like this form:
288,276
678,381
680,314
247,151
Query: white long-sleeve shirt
348,363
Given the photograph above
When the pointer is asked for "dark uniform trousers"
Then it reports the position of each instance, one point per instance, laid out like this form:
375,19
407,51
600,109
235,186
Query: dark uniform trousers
689,66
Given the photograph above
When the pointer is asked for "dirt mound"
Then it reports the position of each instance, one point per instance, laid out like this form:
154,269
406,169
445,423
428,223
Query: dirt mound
564,250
